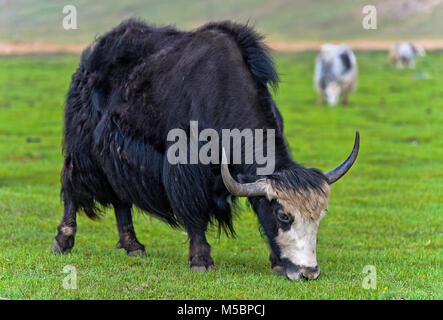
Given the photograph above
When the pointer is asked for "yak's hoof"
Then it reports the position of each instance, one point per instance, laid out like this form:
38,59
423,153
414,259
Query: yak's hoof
202,269
132,247
137,253
58,249
202,263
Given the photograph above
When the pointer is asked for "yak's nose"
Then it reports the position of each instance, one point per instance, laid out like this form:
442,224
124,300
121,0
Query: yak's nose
300,273
310,273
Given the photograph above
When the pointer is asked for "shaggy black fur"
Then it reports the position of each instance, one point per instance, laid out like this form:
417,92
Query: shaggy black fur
136,83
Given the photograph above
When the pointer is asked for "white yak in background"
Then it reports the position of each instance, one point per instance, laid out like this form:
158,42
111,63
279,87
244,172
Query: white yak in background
335,73
403,54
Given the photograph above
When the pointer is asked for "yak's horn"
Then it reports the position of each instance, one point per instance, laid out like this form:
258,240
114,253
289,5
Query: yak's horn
338,172
254,189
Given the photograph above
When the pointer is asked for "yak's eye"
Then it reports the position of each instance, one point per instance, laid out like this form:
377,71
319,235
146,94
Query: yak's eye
283,217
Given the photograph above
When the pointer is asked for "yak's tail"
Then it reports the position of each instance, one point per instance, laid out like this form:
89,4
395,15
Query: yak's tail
255,52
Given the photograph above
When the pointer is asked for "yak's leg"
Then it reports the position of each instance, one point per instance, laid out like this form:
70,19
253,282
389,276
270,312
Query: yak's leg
199,252
64,240
344,99
319,99
276,264
127,238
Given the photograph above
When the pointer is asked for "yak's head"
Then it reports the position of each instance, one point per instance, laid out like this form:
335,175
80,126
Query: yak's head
332,93
290,205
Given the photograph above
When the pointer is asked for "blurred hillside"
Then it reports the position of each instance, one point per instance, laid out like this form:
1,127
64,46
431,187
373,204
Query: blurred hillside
280,20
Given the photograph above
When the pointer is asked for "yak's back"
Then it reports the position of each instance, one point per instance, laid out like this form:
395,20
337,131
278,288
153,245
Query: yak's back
133,41
126,45
254,51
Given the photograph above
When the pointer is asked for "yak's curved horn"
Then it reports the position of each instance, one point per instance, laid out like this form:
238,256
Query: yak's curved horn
253,189
338,172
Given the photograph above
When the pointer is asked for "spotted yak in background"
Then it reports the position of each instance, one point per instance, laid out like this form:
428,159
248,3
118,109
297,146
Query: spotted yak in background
335,73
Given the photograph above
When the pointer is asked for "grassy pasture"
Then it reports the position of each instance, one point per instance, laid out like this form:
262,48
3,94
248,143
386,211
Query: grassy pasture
387,212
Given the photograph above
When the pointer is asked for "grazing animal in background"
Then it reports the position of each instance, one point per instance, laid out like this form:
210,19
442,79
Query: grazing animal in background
335,73
403,54
134,85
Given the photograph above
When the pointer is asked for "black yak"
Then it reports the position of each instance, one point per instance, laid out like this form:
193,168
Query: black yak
137,83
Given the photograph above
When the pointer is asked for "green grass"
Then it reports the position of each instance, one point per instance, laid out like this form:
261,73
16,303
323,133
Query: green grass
30,20
386,212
